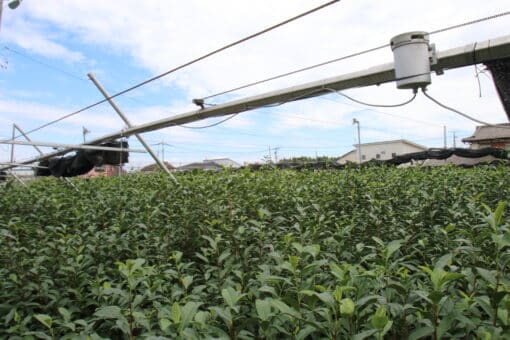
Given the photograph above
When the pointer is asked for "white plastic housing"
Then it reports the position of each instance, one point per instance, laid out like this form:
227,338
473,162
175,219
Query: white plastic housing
411,59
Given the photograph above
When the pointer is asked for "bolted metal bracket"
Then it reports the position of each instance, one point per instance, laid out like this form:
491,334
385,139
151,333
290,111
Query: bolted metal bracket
433,58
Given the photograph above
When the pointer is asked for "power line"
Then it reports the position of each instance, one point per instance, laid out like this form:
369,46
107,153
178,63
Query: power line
186,64
58,69
356,54
298,71
468,23
69,74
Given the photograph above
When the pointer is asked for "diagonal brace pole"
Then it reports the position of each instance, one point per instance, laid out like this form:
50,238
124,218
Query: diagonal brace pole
17,127
128,123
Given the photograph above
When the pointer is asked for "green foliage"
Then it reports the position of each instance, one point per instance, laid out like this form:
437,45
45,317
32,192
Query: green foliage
352,254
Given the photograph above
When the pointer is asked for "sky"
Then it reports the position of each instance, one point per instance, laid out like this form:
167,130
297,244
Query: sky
47,47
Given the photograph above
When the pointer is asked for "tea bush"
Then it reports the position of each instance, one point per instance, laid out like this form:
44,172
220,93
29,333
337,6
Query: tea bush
358,253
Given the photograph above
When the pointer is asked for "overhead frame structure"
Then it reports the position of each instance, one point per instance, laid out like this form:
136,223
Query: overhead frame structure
72,146
470,54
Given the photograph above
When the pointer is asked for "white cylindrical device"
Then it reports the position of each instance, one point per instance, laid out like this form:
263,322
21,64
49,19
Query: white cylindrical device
412,59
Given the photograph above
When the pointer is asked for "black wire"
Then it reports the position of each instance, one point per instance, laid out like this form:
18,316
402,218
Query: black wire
186,64
374,105
461,113
208,126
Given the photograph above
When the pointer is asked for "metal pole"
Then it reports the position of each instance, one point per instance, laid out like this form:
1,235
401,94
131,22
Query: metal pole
1,10
128,123
72,146
24,165
355,121
454,140
12,145
27,138
18,179
444,137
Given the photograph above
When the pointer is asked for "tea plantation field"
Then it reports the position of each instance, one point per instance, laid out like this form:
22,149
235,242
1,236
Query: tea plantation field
358,253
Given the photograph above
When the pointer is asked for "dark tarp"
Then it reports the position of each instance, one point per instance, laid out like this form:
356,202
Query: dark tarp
500,70
83,161
446,153
397,160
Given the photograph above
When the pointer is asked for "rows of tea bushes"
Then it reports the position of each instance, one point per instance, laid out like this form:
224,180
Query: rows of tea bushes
379,253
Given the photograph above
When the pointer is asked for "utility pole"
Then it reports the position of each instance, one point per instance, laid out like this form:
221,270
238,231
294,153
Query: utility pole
270,158
13,132
84,132
355,121
444,137
276,154
454,140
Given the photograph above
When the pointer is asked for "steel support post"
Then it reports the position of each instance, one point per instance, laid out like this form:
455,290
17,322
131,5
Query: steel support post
17,127
128,123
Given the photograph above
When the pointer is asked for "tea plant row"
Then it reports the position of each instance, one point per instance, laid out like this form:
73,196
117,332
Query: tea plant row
358,253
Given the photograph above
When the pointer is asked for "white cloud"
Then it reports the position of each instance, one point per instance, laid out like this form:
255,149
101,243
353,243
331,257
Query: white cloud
159,35
33,37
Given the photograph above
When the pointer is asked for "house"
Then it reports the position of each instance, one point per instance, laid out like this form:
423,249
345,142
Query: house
381,150
211,164
105,170
225,162
155,167
497,136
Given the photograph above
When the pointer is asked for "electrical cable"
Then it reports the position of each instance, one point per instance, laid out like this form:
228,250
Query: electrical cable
374,105
303,96
208,126
186,64
472,22
298,70
384,113
350,56
461,113
69,74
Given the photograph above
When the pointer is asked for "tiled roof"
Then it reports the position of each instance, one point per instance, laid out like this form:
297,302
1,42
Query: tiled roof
487,133
154,166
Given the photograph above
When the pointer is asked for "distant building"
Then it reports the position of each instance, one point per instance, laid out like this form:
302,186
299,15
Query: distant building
105,170
155,167
380,151
497,136
211,164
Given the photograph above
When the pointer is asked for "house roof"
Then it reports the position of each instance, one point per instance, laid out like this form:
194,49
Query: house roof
405,141
224,162
346,154
395,141
489,132
206,165
154,167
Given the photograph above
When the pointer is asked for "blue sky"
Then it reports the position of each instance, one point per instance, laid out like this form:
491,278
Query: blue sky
48,47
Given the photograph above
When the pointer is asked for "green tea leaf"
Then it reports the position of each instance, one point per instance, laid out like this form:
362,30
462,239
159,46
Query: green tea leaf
45,319
346,307
263,308
380,318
